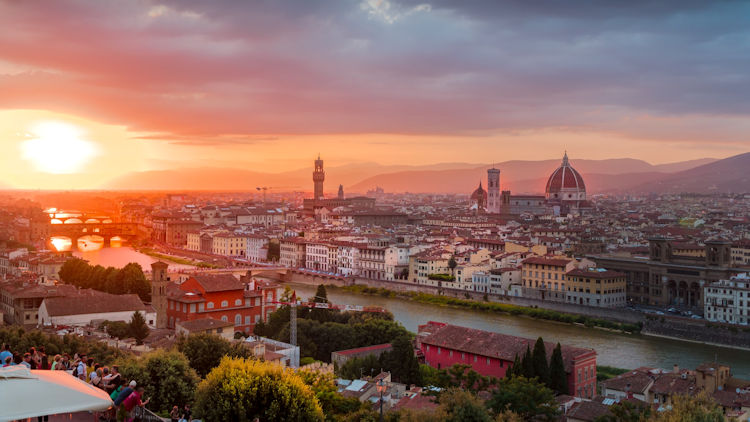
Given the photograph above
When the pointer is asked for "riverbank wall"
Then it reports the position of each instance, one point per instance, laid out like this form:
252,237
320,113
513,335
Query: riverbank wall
698,330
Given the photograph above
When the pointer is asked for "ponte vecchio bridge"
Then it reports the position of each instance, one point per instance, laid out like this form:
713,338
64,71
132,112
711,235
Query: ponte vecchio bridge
76,225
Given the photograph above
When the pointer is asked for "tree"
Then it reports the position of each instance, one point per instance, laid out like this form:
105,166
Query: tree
355,368
626,411
557,375
452,264
243,389
321,296
516,369
205,351
528,398
527,364
539,359
698,408
401,361
461,406
166,376
118,329
138,328
324,387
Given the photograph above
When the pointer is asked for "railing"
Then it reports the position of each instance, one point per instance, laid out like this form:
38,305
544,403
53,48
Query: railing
149,416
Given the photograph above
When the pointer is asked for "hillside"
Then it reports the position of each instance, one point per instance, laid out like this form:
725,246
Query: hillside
728,175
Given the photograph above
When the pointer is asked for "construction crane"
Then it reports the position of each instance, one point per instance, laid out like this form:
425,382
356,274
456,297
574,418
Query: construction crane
265,188
294,304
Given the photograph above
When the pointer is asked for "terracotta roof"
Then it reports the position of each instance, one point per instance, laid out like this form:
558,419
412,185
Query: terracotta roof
672,383
218,282
638,381
486,343
87,304
358,350
588,411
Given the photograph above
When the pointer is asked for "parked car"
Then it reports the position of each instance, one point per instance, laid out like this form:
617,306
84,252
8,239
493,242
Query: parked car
659,313
696,317
673,311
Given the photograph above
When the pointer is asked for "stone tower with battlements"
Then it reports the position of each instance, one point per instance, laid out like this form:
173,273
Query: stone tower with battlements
159,282
319,175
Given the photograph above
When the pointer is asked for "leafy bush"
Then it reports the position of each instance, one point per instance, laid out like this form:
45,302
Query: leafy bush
244,389
441,277
21,340
166,375
205,351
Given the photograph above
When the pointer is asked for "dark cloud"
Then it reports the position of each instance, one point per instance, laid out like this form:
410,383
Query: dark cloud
211,72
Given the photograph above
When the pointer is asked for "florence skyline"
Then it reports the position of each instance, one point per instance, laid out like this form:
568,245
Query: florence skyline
139,86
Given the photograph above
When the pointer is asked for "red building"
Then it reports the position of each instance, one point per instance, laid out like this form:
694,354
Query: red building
491,354
222,297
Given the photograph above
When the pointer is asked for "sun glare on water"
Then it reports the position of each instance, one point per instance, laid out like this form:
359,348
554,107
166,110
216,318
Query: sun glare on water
57,148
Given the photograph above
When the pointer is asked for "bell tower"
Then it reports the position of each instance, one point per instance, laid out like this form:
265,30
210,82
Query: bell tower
319,175
159,282
493,191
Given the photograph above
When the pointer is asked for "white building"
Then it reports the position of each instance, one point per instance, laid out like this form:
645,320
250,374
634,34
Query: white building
372,262
496,281
316,257
83,308
396,261
292,252
348,259
257,247
728,300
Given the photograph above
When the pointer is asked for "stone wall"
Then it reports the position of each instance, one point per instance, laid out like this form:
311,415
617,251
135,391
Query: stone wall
697,330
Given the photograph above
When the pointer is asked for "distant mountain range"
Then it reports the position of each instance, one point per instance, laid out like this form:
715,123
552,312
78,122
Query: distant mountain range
601,176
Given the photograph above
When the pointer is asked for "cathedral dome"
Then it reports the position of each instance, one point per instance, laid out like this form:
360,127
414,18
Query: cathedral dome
479,197
565,184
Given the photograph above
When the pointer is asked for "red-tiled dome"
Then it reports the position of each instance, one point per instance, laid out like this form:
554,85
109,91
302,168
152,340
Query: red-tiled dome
565,183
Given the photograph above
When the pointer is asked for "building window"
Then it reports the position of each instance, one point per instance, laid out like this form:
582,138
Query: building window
238,319
238,302
192,307
210,305
224,318
247,320
475,358
200,307
224,303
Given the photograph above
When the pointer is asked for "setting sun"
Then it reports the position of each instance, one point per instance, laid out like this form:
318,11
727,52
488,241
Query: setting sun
57,148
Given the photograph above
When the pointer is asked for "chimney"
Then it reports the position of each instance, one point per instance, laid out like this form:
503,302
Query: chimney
676,369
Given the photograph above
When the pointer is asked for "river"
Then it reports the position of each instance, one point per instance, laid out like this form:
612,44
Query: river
614,349
119,257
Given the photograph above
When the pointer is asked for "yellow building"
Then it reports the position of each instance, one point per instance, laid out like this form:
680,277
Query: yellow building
544,278
596,287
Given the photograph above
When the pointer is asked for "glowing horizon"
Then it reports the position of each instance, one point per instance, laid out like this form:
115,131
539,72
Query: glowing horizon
95,92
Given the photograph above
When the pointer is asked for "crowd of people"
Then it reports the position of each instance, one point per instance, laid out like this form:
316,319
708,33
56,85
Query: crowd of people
127,395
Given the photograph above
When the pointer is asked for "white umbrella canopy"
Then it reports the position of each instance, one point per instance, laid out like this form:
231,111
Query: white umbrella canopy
25,394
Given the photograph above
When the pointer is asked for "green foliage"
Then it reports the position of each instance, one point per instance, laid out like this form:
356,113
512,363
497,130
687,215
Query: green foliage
138,328
539,362
494,307
241,390
129,279
117,329
334,405
321,296
461,406
458,375
698,408
527,364
21,340
401,361
166,376
626,411
604,372
347,331
358,367
452,264
558,377
526,397
204,351
441,277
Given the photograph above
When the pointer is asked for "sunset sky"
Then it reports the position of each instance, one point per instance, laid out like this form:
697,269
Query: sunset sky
92,90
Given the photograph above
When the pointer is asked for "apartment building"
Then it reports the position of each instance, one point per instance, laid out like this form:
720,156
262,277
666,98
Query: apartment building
596,287
728,300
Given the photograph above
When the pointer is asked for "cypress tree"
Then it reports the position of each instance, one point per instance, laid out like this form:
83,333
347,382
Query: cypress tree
541,369
516,369
558,378
528,364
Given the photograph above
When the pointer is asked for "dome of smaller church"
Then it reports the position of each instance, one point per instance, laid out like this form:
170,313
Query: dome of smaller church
479,197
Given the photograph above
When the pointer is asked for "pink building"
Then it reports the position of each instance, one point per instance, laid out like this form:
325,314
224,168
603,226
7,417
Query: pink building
491,354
